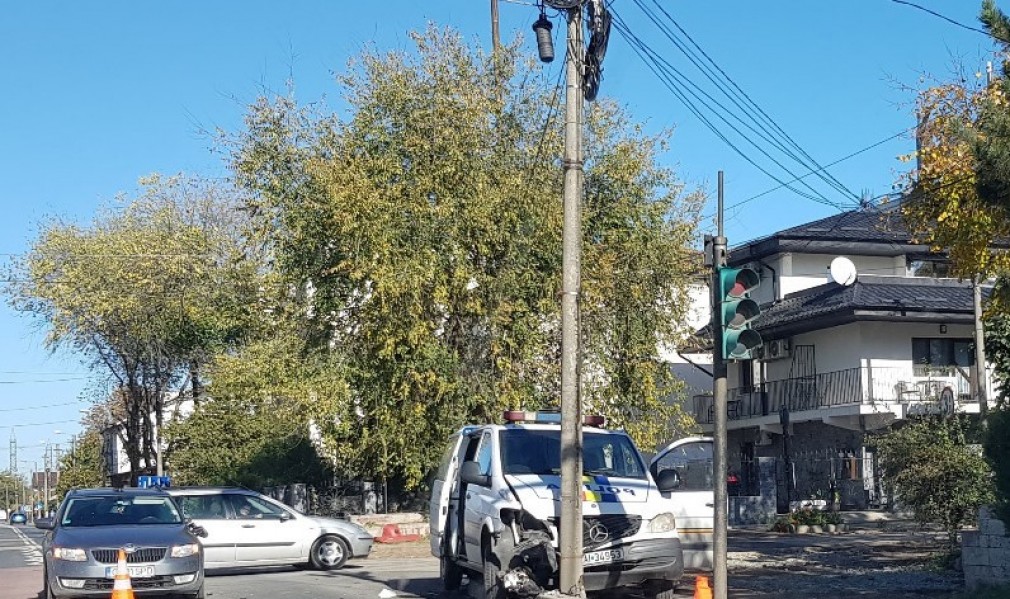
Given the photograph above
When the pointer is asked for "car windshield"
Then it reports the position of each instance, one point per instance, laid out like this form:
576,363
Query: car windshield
533,451
119,510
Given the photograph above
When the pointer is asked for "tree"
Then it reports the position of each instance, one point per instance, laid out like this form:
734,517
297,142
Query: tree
12,491
146,293
937,471
82,466
423,232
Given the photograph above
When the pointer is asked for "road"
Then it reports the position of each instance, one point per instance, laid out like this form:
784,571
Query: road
869,564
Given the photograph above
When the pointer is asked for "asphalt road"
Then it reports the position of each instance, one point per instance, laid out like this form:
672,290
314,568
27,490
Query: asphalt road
20,562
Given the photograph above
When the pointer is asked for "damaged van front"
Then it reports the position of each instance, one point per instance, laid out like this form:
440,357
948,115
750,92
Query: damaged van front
496,507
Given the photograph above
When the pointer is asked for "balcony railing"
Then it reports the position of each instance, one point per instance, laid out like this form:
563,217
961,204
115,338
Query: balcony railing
865,385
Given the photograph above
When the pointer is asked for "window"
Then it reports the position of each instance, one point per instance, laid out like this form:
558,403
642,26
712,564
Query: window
247,506
942,352
693,462
120,510
532,451
929,267
484,454
203,507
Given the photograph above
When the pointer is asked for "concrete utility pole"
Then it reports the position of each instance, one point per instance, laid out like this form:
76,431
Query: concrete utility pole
719,573
980,373
495,37
570,568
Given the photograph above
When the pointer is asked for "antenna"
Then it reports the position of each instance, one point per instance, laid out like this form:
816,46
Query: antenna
14,453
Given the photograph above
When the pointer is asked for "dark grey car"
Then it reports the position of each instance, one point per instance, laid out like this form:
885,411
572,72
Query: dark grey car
81,547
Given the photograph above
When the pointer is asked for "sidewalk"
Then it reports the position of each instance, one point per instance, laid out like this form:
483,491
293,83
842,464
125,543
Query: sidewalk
858,520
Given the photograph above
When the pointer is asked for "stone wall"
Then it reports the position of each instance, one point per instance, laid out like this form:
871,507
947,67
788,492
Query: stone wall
756,509
985,553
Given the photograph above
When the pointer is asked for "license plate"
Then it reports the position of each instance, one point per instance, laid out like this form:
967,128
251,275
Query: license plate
602,557
135,571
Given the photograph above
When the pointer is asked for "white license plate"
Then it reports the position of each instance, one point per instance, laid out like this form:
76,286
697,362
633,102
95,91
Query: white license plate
602,557
135,571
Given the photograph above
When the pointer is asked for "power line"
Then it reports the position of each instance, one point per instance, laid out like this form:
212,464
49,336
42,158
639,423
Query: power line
951,21
52,405
674,80
740,98
830,164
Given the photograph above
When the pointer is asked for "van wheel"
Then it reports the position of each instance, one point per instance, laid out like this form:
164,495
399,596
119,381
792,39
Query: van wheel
659,589
330,552
494,587
450,573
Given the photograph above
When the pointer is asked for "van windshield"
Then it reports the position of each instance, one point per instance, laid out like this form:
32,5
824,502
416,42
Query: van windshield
532,451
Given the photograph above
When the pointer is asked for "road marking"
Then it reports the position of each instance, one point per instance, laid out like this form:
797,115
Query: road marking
32,551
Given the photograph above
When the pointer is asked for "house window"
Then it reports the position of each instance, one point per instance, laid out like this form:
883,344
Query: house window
929,354
929,267
747,376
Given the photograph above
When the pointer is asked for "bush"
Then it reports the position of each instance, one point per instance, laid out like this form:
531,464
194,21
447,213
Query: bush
937,472
997,451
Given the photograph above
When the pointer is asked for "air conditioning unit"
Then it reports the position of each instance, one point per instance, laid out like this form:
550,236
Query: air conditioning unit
777,349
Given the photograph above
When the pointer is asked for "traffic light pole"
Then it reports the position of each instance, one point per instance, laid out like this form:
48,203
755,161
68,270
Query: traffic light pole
720,410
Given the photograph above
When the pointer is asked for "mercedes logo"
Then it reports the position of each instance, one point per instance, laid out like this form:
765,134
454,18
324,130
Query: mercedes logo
130,548
598,533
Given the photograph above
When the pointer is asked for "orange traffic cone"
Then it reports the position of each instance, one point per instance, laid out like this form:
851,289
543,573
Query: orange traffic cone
701,588
122,589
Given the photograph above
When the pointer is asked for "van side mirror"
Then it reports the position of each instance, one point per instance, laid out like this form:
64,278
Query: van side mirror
469,472
668,480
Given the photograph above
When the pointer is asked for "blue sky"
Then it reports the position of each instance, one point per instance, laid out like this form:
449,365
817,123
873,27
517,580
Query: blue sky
95,95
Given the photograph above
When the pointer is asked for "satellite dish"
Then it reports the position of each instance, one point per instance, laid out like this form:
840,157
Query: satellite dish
842,271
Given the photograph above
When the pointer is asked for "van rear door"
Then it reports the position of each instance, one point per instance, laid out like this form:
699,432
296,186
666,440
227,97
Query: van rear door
692,458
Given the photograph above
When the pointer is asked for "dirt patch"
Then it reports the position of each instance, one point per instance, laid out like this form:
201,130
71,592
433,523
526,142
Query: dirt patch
413,549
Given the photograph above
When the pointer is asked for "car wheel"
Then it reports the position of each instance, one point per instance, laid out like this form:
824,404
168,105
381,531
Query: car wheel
659,589
330,553
450,573
47,590
494,587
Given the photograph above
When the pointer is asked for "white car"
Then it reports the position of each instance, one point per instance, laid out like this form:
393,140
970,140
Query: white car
494,509
245,528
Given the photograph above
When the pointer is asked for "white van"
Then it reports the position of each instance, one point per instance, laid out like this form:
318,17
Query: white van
496,496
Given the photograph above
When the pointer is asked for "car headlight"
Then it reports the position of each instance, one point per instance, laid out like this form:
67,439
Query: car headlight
664,522
70,555
186,550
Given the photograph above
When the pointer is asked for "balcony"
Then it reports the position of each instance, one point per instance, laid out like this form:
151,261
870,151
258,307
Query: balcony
919,389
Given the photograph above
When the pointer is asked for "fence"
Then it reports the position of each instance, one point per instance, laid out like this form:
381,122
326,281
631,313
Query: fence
931,389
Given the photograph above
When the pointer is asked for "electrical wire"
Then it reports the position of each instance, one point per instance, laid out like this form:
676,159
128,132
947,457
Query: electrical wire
772,132
951,21
52,405
674,80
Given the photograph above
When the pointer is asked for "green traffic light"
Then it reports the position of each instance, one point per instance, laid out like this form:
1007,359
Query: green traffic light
740,345
739,341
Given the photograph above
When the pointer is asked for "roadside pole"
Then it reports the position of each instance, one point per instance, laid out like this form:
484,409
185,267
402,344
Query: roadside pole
718,258
980,377
570,570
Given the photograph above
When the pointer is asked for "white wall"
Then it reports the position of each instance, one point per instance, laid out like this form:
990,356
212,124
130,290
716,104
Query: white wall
803,271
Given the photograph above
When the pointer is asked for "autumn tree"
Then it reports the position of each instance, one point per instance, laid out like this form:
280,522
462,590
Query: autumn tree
82,466
422,230
146,293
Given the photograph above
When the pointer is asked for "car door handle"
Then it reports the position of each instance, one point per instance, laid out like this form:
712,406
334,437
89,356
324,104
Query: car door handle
709,505
248,526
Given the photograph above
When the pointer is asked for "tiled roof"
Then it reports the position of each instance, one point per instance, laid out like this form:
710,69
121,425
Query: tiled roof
894,299
855,225
894,296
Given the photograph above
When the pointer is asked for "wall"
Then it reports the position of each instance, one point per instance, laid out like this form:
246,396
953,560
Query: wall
985,553
803,271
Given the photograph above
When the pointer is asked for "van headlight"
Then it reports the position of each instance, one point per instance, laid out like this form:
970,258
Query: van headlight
186,550
70,555
664,522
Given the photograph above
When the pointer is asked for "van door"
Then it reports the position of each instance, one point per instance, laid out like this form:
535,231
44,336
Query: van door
692,459
476,502
441,493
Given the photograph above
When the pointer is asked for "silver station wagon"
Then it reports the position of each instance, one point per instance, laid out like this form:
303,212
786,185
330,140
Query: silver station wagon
245,528
82,544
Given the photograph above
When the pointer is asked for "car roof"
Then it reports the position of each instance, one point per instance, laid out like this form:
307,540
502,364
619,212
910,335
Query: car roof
106,491
207,490
537,426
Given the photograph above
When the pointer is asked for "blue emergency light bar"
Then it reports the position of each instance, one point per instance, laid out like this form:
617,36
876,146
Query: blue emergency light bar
548,417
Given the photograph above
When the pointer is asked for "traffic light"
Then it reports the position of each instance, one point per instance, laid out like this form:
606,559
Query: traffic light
739,340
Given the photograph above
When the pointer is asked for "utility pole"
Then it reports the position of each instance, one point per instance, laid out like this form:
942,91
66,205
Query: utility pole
570,570
980,372
495,37
719,573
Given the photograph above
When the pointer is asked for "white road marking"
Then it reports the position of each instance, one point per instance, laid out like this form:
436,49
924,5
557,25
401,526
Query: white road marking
32,551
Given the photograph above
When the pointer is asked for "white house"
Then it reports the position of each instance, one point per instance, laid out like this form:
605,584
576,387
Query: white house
843,361
117,462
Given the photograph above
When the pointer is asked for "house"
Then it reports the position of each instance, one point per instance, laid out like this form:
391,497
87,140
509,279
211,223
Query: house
841,362
116,461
